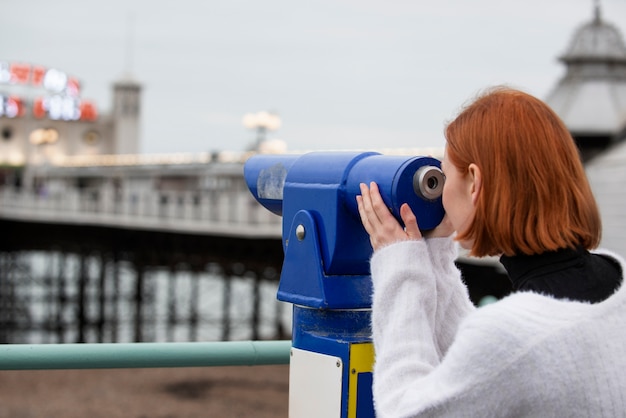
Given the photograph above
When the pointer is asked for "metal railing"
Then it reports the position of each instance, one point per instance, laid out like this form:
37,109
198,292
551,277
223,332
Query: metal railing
143,355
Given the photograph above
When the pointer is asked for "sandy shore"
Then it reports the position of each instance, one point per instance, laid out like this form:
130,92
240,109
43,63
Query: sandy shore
258,391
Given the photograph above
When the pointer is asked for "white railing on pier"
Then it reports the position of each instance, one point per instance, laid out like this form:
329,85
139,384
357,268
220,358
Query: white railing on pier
225,212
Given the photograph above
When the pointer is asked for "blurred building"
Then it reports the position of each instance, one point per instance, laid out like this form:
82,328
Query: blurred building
591,96
43,117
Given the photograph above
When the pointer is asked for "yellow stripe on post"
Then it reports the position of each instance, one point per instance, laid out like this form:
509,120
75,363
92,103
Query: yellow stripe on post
361,361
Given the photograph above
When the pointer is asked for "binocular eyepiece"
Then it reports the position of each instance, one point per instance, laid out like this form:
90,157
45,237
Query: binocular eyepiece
428,182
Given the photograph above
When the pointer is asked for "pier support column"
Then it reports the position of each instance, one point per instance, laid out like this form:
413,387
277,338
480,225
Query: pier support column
226,299
81,309
256,306
172,311
102,298
194,301
61,298
139,289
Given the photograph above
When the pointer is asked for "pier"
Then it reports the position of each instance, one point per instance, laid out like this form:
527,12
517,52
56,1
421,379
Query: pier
136,248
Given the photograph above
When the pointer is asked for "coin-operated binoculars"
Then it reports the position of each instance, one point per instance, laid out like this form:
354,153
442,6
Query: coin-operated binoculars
325,273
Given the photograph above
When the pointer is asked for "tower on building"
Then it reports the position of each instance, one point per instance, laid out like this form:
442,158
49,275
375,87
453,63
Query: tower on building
126,115
591,96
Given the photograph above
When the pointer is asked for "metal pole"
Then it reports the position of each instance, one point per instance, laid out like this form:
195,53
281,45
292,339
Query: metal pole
256,305
115,302
61,298
102,297
226,300
143,355
81,311
139,288
193,305
172,316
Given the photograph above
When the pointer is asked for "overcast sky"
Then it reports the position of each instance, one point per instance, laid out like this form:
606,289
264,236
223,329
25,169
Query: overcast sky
340,73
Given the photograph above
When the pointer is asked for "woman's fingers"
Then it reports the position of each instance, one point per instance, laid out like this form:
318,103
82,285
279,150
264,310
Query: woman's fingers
365,208
410,222
378,221
378,204
374,212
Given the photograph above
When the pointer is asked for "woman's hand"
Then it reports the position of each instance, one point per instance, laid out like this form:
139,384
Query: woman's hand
378,221
444,229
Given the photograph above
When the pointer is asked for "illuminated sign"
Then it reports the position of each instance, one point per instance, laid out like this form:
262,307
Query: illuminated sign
62,101
64,108
51,79
11,106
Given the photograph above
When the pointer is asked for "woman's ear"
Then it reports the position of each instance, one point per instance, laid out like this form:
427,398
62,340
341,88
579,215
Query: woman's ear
476,182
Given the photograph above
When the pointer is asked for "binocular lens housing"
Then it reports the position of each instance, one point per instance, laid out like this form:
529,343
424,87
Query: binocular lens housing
428,182
327,183
315,193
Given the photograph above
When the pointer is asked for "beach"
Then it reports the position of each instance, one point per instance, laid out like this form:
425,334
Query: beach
248,391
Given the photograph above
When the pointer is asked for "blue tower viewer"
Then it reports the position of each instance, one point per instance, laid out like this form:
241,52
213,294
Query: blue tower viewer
325,273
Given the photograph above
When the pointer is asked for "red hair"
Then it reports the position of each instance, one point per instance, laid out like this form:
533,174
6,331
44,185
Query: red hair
535,196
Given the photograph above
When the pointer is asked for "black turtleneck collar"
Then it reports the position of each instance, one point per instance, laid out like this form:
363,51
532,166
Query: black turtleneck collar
572,274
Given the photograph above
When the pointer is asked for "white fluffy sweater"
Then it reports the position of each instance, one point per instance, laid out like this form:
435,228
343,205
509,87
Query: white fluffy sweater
527,355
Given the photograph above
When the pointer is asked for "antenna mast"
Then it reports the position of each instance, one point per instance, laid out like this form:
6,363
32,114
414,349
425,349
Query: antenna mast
130,32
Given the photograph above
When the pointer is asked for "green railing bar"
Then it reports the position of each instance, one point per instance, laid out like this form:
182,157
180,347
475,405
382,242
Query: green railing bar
142,355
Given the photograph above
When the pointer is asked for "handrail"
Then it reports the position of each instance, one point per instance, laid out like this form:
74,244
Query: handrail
142,355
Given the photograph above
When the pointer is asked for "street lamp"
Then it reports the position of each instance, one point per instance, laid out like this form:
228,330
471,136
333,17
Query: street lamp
262,122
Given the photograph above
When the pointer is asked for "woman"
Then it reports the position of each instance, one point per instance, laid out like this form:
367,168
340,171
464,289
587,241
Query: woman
515,187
